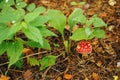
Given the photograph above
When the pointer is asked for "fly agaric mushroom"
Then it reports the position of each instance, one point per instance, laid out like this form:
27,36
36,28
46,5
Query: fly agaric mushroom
84,48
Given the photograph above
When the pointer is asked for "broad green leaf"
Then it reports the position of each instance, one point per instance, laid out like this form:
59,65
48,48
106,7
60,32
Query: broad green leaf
18,1
3,47
88,31
39,21
79,34
1,1
98,22
91,36
31,7
31,16
39,10
99,33
20,14
45,45
57,20
47,61
76,17
14,28
89,22
10,2
4,3
33,62
14,52
45,32
21,5
3,33
34,34
5,17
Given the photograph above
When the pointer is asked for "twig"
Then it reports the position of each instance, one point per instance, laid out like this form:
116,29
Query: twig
4,63
1,71
25,57
44,74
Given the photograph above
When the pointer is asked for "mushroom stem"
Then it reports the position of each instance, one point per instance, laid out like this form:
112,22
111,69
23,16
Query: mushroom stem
84,55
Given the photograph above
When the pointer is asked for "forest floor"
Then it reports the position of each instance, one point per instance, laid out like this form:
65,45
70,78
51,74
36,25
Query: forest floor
102,64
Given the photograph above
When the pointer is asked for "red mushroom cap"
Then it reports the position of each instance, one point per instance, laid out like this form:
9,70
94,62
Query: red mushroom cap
84,47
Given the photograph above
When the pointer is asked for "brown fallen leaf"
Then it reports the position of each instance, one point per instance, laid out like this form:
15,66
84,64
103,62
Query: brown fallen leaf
99,63
86,78
103,15
27,51
2,77
95,76
59,78
28,75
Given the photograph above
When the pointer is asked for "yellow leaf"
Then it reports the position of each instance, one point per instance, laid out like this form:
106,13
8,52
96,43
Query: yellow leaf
115,77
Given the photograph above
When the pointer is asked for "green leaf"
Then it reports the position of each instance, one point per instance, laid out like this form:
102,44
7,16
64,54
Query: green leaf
19,63
18,1
45,32
45,45
98,22
39,10
5,17
20,14
34,34
79,34
3,47
14,28
4,3
73,3
14,52
89,22
47,61
88,31
21,5
31,7
82,3
57,20
3,33
39,21
99,33
76,17
33,15
10,2
33,62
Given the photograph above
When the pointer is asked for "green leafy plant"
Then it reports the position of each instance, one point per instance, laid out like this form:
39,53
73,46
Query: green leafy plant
19,18
46,61
90,28
16,17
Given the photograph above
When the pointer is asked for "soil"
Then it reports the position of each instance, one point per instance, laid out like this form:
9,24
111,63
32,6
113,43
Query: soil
102,64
